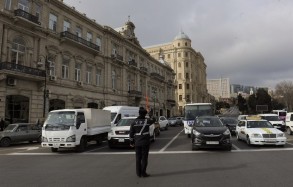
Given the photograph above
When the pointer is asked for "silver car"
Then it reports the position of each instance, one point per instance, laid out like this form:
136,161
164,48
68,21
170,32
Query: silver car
20,132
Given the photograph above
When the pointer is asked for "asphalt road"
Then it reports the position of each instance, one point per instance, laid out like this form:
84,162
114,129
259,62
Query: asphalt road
171,163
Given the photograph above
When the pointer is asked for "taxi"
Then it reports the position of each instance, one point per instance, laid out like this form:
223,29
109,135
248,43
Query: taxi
257,131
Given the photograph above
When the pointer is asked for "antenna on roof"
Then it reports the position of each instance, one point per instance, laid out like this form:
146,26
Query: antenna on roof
128,18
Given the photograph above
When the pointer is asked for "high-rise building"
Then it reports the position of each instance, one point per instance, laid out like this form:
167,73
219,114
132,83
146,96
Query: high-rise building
189,68
219,88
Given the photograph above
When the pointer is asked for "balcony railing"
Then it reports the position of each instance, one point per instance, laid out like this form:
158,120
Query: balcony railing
26,15
171,102
132,63
22,69
80,40
117,57
158,76
135,93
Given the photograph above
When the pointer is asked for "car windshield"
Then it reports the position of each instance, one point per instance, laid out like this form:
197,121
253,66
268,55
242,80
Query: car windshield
271,118
125,122
10,128
208,122
229,120
259,124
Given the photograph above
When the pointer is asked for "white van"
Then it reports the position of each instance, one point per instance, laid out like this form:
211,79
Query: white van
289,123
118,112
274,120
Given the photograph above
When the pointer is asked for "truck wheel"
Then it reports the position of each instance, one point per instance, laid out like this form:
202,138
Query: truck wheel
5,142
82,146
54,150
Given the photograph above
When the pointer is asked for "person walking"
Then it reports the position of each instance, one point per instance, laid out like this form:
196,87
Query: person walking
140,139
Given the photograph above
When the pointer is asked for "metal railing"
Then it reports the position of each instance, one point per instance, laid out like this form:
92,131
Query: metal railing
22,69
26,15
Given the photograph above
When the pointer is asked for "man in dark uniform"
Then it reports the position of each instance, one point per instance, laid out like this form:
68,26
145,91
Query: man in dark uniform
140,139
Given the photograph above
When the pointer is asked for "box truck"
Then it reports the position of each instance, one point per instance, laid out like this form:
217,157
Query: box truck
74,128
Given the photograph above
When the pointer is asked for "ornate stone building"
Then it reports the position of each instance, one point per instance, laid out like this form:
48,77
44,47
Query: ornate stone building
54,57
189,67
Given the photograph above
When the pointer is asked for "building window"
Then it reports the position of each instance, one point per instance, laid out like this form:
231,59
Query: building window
187,75
18,51
66,26
187,98
38,12
113,77
89,75
52,22
7,4
169,56
78,31
180,97
186,64
65,68
187,86
98,77
178,44
98,42
185,43
77,72
180,86
186,54
51,64
179,54
89,37
23,5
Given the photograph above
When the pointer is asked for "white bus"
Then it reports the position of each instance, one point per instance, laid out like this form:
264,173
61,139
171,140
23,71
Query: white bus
281,113
192,110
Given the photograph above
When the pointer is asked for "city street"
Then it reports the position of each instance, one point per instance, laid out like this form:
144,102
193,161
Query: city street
171,163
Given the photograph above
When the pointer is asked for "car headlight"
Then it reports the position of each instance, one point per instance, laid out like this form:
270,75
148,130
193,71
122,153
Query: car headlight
281,135
227,132
71,138
196,133
255,135
44,139
111,132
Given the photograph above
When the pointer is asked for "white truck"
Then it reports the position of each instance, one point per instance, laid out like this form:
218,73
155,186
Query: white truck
119,112
74,128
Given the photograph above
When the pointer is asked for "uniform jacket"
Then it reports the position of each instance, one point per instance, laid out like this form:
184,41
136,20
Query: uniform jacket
137,138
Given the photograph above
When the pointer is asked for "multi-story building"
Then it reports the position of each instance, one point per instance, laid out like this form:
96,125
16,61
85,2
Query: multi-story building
219,88
189,67
54,57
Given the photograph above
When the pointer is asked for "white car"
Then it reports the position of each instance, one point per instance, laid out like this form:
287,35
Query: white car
119,134
257,131
164,123
274,120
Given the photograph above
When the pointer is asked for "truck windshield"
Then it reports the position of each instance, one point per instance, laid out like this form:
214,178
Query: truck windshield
193,111
65,118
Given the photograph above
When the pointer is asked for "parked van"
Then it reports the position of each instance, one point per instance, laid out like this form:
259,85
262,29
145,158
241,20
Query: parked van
289,123
118,112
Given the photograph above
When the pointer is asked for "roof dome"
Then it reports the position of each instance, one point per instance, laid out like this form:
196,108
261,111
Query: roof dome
181,35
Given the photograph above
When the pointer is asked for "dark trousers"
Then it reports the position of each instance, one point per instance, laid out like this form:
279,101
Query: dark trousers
142,153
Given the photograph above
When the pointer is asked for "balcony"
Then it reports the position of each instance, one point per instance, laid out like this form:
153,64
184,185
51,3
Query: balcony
79,40
135,93
157,76
144,70
27,16
117,58
132,63
22,69
171,102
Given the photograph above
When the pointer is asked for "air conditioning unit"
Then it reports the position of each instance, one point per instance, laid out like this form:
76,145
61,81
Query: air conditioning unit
80,83
11,81
52,78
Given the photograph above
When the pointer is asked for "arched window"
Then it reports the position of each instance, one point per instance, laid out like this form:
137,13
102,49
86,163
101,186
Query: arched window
18,51
113,79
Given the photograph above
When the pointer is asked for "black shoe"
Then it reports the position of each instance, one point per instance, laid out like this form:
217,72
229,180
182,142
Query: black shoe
145,175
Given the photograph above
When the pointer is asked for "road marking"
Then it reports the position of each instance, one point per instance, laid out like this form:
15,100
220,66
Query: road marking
166,146
28,148
289,143
237,148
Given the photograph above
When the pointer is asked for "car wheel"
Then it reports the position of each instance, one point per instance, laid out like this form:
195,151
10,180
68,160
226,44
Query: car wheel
289,132
5,142
54,150
110,145
229,148
248,140
188,135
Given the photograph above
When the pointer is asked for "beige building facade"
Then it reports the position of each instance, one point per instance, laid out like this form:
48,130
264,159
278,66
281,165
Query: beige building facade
54,57
189,67
219,88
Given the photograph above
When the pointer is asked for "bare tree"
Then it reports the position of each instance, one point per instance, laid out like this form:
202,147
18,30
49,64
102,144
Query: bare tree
284,90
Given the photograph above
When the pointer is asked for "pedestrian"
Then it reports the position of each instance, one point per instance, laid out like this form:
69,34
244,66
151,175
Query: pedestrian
2,124
140,139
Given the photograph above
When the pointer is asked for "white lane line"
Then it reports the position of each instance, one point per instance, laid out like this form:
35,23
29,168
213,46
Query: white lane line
289,143
237,148
166,146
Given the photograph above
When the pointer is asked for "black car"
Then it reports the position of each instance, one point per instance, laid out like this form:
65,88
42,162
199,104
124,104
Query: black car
230,122
208,132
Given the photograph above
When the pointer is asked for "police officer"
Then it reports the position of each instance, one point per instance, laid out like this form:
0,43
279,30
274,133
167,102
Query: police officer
140,139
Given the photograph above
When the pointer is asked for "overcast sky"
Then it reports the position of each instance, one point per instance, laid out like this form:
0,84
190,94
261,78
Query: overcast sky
248,41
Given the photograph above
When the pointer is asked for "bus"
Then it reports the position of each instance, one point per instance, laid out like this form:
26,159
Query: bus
281,113
193,110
